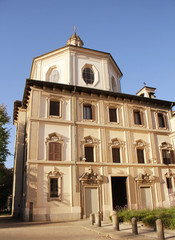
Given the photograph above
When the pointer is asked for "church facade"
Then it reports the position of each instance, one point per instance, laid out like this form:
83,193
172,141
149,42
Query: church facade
82,146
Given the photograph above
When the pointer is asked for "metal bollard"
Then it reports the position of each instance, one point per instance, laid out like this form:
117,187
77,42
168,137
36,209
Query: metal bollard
30,211
98,219
92,218
134,226
160,231
115,221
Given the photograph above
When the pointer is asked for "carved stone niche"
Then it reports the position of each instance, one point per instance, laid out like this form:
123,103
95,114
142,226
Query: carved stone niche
91,178
144,178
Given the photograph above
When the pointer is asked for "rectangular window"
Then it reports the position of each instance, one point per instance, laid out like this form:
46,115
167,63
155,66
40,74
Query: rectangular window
55,151
113,114
138,119
168,156
161,120
55,108
89,154
87,111
53,187
140,155
169,185
116,155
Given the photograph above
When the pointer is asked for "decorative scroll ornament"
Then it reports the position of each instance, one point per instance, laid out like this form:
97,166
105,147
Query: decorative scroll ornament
169,173
91,177
54,137
140,143
144,178
54,173
165,145
89,140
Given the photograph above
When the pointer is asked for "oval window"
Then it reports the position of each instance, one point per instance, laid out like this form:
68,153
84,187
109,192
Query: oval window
88,76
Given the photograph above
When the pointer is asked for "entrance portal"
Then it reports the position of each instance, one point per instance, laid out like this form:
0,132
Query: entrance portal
91,201
119,192
146,197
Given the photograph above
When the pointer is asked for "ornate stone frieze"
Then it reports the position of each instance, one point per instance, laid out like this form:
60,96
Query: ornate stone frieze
91,177
144,178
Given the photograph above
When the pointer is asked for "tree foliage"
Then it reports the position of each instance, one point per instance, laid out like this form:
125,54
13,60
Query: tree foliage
6,184
4,134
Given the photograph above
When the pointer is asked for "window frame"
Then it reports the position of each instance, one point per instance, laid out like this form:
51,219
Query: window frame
142,145
54,99
116,114
117,143
95,72
169,149
169,160
55,174
143,155
169,185
50,70
54,138
54,153
164,118
119,154
88,81
92,148
52,108
137,111
89,141
85,113
93,107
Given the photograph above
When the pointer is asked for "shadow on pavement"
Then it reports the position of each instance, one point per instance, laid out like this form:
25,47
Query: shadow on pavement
11,222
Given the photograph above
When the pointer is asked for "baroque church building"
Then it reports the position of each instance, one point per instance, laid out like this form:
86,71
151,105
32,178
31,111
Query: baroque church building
82,146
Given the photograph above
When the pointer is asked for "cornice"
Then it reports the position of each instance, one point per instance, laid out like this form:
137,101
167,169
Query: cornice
90,91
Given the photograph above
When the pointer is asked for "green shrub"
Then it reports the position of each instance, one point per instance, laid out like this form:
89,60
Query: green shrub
149,217
149,220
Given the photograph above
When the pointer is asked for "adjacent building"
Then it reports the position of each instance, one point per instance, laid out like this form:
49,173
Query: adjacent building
82,146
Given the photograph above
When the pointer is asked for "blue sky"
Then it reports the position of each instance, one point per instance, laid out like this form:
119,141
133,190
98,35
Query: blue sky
139,34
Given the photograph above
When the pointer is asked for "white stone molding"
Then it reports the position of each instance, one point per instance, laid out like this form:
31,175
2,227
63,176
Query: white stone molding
140,144
55,67
166,146
91,142
90,180
56,99
95,71
56,174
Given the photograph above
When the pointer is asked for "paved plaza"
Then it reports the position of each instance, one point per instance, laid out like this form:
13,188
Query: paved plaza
12,229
